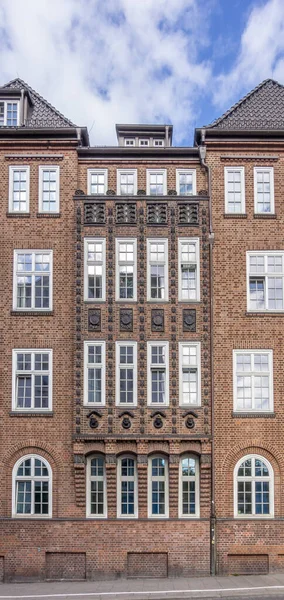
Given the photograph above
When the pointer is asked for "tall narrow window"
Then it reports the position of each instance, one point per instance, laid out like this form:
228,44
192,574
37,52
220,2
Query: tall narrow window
263,190
265,281
96,487
126,182
97,181
158,493
19,189
186,182
32,380
189,487
157,270
9,114
94,375
126,373
32,280
156,182
158,373
188,255
253,380
189,374
126,269
127,487
234,190
49,189
95,269
253,487
32,487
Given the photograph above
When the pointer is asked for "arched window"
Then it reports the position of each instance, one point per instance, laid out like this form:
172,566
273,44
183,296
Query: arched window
254,488
32,487
189,486
96,487
158,488
127,505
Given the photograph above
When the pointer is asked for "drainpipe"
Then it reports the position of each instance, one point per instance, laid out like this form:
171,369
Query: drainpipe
22,119
213,549
167,136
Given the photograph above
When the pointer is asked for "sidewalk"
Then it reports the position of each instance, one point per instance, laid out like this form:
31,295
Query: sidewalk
265,586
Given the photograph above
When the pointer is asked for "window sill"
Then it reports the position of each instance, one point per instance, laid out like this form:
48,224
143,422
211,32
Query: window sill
32,413
252,415
235,216
32,313
268,313
48,215
265,216
18,214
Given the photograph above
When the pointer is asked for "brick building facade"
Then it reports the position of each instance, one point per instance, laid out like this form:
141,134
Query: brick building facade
123,428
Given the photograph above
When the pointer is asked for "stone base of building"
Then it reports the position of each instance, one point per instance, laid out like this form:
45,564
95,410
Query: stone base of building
33,550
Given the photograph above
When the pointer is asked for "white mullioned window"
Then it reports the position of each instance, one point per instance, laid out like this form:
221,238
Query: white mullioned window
127,501
94,269
189,486
32,487
159,143
96,487
186,182
158,373
32,380
189,269
97,181
234,190
126,373
156,182
157,270
126,269
32,288
189,373
126,182
94,373
49,189
144,142
19,189
264,190
253,488
265,281
129,141
9,113
158,486
253,380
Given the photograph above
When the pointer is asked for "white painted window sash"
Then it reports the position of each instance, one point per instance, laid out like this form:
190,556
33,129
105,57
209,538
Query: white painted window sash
119,263
121,478
88,262
89,479
180,172
42,171
158,478
94,365
32,372
157,366
241,170
195,264
33,478
269,170
253,373
196,479
197,368
126,366
91,172
265,275
162,172
12,170
164,263
253,479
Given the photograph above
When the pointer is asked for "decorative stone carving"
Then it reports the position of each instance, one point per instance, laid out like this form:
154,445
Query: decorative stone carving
141,193
125,213
79,459
94,319
172,193
188,214
158,419
189,419
203,193
79,193
189,319
126,319
157,319
94,213
110,193
157,214
93,417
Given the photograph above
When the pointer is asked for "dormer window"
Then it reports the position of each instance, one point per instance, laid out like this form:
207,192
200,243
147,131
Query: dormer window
129,142
159,143
143,142
9,113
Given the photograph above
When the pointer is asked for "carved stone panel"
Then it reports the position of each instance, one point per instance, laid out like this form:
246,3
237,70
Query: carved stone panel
126,319
157,214
125,213
189,319
94,213
157,319
94,319
188,214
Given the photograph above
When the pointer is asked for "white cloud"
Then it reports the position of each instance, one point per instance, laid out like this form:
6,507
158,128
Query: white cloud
102,62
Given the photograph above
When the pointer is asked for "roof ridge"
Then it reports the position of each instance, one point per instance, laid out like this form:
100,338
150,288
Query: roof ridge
243,99
30,89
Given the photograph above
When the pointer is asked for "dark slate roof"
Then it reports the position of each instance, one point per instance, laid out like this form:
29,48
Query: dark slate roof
262,108
41,113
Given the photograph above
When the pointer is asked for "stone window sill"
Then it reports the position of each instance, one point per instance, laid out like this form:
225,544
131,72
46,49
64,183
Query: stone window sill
18,413
19,214
264,216
252,415
32,313
235,216
48,215
265,313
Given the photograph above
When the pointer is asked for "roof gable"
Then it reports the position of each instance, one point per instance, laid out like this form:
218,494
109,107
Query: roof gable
41,114
260,109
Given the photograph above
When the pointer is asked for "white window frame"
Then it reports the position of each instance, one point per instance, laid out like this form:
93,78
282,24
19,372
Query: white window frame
89,514
86,370
196,345
253,374
180,172
33,478
143,145
121,478
33,308
119,241
117,378
159,172
271,488
270,170
41,171
32,351
159,145
166,265
120,172
196,242
243,199
87,241
149,377
196,479
12,169
264,276
91,172
166,479
131,139
12,101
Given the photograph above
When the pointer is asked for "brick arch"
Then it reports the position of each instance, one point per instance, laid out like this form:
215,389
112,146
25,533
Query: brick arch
126,452
125,447
94,448
158,448
190,448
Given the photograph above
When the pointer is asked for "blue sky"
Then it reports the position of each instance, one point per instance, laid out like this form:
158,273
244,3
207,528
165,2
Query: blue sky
102,62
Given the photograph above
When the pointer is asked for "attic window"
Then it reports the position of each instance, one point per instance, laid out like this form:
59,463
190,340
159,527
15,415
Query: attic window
159,143
9,113
129,141
143,142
